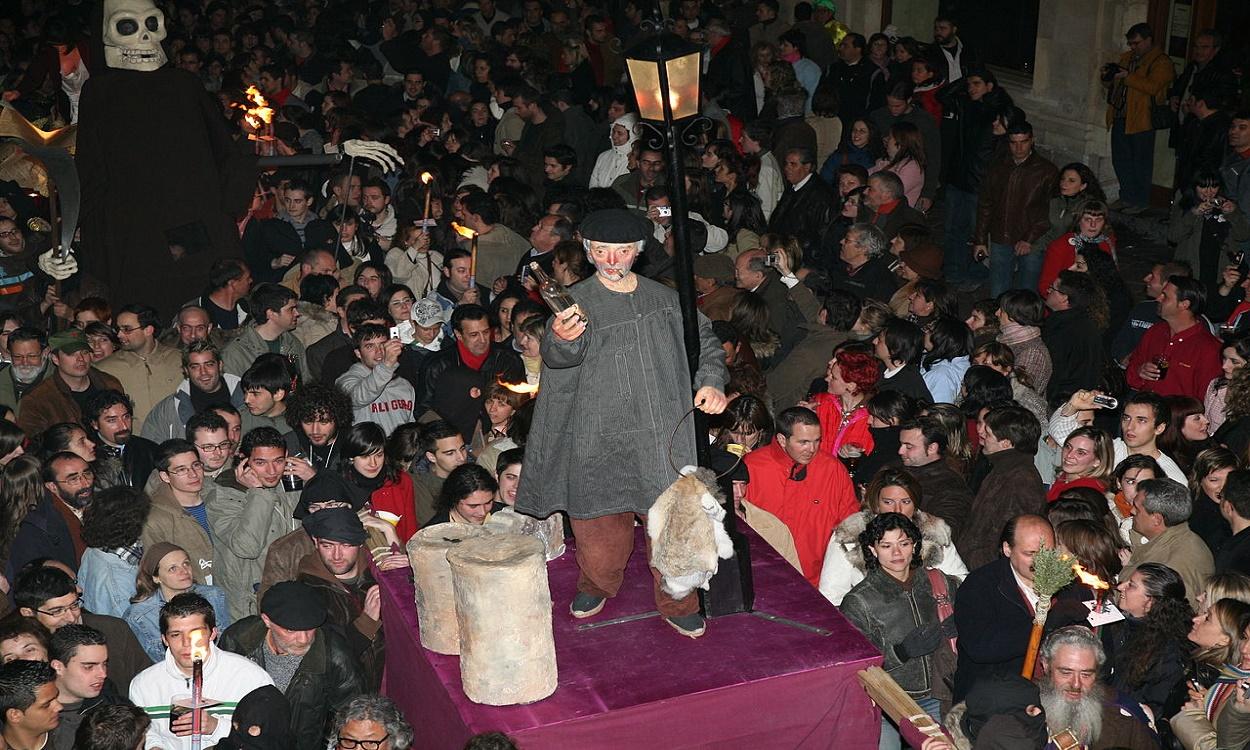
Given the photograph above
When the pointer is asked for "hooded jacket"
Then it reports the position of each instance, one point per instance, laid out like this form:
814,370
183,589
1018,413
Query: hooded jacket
378,395
227,678
614,162
844,559
246,521
168,418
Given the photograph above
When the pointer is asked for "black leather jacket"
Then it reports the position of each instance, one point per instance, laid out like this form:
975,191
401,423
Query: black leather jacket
328,676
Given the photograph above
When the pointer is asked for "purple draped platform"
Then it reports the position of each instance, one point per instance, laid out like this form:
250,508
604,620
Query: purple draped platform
748,682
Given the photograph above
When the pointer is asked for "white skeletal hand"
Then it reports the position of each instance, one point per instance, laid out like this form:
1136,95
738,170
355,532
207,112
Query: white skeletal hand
57,267
385,156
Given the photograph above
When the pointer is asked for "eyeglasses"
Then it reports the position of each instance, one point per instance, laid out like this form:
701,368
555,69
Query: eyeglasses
348,743
58,611
129,329
10,233
215,447
402,302
182,471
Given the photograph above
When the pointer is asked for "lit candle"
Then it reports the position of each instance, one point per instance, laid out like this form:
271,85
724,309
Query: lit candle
197,685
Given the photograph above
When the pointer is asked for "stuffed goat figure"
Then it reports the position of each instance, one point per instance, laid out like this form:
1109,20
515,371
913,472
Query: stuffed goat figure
687,530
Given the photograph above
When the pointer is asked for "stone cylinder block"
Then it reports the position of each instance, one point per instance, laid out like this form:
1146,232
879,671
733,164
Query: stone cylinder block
436,607
503,606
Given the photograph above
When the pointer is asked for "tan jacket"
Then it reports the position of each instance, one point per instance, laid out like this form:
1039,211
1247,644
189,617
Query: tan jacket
1146,85
1181,550
146,380
169,522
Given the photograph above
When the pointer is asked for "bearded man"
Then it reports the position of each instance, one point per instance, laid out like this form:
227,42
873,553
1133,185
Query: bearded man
616,388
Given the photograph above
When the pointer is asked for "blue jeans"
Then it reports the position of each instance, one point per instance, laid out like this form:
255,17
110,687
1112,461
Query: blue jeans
1010,271
889,733
961,218
1133,158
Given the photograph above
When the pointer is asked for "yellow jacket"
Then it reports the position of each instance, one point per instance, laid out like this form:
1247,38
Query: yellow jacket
1146,85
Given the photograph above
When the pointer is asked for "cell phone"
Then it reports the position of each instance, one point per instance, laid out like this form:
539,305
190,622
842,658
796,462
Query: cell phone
436,132
394,332
664,210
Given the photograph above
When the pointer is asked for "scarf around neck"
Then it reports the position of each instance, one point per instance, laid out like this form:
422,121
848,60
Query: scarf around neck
1014,333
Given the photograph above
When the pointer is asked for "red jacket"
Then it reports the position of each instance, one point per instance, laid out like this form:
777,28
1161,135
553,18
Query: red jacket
833,434
1060,255
811,509
397,497
1193,360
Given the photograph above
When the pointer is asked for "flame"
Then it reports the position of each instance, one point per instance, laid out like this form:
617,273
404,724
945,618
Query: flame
259,113
1089,579
527,388
427,178
463,231
199,644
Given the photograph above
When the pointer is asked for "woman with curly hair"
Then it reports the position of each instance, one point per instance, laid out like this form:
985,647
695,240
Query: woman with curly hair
1233,357
111,526
890,491
1087,459
852,376
896,607
1206,485
1146,652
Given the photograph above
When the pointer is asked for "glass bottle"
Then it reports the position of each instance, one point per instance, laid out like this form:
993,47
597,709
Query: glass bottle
555,294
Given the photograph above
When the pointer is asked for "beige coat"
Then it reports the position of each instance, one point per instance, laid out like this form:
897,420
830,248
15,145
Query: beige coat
147,380
1181,550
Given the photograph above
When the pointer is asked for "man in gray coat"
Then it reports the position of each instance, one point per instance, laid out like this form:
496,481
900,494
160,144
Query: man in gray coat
615,387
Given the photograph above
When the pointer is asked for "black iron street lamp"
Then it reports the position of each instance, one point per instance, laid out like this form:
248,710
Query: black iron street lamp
664,71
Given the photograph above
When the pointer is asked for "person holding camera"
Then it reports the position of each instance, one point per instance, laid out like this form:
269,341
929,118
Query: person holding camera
1208,229
1135,82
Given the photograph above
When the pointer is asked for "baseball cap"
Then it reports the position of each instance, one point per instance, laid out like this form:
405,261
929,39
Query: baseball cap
69,341
427,313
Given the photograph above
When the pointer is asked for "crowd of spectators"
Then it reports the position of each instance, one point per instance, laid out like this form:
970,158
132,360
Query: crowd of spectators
923,316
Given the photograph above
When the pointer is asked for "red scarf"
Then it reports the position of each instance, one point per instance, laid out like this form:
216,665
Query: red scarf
471,360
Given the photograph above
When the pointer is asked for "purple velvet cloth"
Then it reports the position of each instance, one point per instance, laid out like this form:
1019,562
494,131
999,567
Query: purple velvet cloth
747,682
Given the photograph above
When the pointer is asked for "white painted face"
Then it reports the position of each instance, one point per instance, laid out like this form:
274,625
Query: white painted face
133,32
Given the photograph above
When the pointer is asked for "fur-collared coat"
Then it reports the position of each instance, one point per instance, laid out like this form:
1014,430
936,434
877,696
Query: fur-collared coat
844,558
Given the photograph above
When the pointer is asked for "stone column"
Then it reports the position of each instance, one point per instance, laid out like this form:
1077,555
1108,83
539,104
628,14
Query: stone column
503,605
436,607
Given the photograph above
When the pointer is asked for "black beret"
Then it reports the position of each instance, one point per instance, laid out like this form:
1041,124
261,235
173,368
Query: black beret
293,605
328,486
616,226
335,525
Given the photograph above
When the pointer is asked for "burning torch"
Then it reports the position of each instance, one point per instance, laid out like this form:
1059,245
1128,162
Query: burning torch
199,650
464,231
260,117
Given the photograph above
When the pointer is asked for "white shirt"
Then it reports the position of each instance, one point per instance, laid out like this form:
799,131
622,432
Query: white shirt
1026,588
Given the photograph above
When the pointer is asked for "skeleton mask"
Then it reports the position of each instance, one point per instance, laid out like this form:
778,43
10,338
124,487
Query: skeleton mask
133,32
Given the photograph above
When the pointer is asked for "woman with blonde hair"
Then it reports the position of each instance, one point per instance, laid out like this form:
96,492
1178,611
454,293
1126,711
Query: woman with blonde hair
1227,585
1215,715
1087,459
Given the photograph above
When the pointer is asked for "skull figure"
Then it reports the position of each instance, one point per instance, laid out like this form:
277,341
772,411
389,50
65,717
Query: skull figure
133,32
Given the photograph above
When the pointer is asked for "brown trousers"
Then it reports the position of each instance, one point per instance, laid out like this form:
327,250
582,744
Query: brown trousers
604,545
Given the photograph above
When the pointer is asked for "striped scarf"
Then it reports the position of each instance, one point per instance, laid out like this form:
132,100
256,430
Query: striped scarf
1224,686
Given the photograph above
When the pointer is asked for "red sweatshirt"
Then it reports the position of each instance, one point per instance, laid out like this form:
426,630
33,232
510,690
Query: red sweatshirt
811,509
1193,360
1062,485
1060,255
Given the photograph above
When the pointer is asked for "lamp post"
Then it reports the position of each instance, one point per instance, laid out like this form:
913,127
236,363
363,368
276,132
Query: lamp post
664,72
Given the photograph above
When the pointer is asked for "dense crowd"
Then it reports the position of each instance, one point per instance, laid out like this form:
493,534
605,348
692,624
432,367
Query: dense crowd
935,367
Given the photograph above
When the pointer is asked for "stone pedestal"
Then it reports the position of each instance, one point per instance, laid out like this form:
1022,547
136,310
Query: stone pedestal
503,605
436,608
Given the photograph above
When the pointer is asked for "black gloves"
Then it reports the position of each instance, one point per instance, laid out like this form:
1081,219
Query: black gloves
924,639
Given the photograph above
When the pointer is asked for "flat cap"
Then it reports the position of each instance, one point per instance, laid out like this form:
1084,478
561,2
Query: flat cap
293,605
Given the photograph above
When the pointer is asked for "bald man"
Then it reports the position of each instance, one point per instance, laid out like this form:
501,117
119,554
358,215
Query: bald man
995,604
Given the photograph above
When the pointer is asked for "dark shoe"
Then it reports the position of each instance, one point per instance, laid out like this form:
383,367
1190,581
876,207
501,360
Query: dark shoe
691,626
585,605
